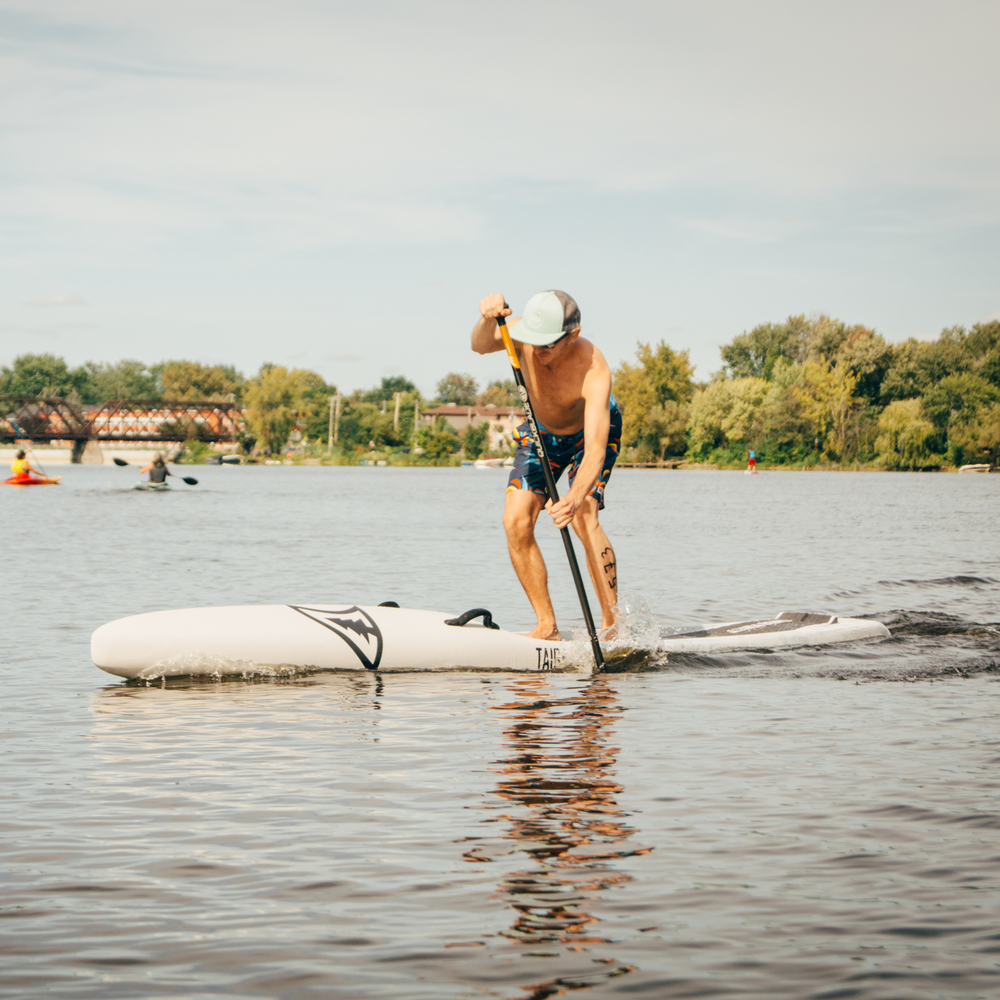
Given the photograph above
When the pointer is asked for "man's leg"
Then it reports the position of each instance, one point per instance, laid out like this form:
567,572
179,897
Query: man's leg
601,559
521,510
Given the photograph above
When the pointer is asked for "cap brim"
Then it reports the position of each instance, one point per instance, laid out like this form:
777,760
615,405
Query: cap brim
518,331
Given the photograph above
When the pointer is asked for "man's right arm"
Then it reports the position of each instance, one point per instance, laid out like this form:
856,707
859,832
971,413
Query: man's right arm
486,336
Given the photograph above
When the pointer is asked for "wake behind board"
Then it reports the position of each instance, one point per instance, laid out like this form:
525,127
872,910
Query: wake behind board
790,628
236,640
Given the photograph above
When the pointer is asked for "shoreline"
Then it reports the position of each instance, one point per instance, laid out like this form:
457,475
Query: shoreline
142,455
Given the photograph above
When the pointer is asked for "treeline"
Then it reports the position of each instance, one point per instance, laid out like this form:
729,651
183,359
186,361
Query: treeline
811,392
802,392
282,406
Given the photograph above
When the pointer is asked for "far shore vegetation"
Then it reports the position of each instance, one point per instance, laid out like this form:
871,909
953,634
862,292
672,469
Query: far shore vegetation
805,393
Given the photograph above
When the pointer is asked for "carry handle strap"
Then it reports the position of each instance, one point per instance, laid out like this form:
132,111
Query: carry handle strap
486,616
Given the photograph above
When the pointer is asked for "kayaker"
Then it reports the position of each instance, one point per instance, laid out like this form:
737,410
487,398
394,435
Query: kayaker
22,467
157,469
569,383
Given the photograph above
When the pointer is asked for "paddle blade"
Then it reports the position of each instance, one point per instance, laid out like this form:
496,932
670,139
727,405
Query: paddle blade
190,480
119,461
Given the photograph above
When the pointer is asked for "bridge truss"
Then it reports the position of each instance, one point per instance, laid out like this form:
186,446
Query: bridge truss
55,419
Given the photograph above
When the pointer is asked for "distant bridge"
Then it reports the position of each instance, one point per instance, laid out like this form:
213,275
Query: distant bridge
55,419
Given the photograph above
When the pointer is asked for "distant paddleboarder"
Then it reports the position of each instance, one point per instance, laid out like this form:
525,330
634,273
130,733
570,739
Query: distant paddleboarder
157,469
752,461
569,384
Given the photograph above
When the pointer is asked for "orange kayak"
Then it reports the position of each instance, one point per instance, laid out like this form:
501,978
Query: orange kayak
25,479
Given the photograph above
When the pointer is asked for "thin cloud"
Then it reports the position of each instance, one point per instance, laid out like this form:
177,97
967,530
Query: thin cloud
344,356
66,299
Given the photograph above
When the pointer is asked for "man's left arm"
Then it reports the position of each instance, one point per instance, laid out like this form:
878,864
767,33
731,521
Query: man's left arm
596,427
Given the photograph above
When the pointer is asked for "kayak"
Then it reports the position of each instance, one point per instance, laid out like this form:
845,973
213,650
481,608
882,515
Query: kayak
153,487
25,479
241,640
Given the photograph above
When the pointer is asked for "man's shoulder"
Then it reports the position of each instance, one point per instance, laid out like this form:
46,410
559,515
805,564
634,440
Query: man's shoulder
593,358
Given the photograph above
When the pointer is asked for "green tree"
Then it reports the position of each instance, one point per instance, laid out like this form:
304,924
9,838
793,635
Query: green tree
474,440
388,388
904,434
42,375
754,354
797,340
828,403
728,415
978,438
500,392
957,398
277,400
439,442
191,380
663,432
868,357
662,375
456,387
126,379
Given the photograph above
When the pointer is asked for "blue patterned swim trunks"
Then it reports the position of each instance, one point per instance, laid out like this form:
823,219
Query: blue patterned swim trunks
565,451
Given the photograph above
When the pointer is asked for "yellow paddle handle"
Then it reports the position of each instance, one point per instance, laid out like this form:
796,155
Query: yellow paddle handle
507,342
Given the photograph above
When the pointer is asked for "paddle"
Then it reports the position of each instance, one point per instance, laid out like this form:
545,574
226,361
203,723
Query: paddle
190,480
40,466
550,488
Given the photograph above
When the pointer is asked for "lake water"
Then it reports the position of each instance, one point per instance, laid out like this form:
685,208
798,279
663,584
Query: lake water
820,823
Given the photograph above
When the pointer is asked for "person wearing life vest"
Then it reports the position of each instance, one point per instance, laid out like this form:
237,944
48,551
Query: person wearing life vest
157,469
22,467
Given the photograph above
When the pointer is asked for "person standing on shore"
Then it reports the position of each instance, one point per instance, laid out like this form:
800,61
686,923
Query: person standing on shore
569,384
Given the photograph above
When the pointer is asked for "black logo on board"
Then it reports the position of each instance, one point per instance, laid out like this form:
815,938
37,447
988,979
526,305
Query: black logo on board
548,658
356,627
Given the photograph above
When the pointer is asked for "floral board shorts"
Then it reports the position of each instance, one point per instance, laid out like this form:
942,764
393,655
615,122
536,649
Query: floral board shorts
565,451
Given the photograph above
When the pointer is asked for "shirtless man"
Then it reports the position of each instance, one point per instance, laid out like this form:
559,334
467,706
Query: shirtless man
569,384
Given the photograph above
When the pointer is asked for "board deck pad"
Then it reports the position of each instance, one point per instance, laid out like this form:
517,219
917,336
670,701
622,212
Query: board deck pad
787,621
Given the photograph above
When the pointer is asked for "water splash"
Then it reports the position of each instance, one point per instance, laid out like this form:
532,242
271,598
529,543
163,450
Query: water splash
217,666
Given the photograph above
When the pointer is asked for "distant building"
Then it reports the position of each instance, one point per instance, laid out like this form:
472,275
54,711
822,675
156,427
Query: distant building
503,421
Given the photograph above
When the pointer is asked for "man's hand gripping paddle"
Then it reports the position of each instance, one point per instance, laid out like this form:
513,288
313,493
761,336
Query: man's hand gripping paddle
550,488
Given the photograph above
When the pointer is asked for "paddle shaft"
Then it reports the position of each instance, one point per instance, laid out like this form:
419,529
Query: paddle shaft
550,488
40,466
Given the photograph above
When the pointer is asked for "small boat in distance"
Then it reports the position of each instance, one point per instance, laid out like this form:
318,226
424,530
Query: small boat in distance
976,468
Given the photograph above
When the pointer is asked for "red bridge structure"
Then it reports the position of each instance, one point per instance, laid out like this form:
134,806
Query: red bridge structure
120,420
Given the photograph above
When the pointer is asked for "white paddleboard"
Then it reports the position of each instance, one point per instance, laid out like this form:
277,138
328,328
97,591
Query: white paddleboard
790,628
238,640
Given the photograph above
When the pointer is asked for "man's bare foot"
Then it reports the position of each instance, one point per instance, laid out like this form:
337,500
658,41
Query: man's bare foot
545,632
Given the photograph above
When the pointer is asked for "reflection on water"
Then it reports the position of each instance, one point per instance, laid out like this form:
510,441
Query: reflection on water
559,790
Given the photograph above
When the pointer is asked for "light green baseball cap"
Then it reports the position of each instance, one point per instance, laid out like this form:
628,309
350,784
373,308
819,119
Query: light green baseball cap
547,317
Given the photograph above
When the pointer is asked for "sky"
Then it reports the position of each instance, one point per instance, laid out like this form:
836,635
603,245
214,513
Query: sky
336,185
